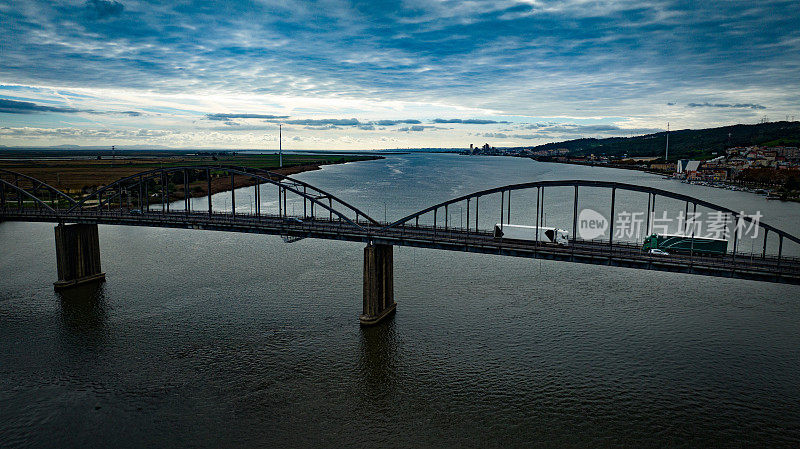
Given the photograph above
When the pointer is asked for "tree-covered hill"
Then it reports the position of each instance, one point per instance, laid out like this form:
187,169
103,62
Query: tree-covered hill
686,143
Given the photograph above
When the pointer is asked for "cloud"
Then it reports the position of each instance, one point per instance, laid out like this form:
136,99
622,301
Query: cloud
471,121
133,134
417,128
619,61
727,105
25,107
310,123
514,136
232,126
103,9
322,127
225,117
583,128
534,125
396,122
324,122
571,130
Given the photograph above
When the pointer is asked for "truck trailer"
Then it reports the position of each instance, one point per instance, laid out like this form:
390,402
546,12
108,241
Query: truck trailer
685,244
529,234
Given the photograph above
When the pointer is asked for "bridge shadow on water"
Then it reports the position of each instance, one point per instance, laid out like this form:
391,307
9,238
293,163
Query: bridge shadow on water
84,314
378,360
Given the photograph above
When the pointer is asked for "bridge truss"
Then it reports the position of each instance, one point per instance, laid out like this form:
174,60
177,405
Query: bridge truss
177,197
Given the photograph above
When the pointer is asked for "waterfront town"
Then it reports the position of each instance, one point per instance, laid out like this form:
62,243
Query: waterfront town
771,171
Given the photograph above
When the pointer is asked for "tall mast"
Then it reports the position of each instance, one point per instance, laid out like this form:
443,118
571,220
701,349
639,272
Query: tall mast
280,146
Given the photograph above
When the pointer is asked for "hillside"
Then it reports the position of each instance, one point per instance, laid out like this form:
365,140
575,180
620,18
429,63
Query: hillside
686,143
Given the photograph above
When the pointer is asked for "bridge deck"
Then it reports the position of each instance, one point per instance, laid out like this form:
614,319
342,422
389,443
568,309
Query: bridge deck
622,254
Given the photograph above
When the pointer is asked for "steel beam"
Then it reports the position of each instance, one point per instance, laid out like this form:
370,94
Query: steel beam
685,217
542,211
508,213
502,203
186,197
163,208
166,186
735,237
611,218
476,214
256,200
694,227
208,180
575,219
538,192
467,214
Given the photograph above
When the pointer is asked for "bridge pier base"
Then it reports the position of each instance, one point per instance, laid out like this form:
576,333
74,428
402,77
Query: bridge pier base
77,255
378,284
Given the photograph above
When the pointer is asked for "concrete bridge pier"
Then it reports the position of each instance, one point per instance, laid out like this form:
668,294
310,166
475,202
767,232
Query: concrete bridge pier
378,284
77,255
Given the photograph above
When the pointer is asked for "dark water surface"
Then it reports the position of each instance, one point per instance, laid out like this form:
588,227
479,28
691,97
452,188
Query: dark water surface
206,339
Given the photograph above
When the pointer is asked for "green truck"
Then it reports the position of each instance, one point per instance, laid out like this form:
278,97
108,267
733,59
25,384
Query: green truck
683,244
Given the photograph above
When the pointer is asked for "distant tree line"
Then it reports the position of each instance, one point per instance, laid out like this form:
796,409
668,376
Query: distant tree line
686,143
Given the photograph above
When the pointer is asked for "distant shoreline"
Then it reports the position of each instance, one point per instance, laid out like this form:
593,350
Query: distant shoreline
621,166
719,185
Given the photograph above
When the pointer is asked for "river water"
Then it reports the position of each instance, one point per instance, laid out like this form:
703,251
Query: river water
202,338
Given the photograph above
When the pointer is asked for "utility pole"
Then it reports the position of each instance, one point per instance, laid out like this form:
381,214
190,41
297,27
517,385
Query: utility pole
280,145
666,153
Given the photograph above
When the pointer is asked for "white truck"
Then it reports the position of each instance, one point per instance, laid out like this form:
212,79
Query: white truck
528,233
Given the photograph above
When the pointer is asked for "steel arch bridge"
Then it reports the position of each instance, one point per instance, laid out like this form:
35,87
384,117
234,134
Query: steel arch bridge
164,198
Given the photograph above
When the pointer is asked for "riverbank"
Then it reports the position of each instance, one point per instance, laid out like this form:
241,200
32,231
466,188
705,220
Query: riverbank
769,192
592,164
79,176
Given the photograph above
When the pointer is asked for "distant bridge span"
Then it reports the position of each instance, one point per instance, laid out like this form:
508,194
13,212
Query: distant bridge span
149,199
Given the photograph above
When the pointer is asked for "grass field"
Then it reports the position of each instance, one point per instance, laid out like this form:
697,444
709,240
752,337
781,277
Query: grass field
78,176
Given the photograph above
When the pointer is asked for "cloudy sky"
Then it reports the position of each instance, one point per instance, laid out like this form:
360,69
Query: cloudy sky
395,74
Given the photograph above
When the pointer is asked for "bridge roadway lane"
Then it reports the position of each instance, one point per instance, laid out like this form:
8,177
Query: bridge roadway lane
622,254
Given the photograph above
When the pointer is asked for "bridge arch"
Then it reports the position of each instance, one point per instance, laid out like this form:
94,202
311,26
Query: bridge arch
6,186
505,192
34,186
316,196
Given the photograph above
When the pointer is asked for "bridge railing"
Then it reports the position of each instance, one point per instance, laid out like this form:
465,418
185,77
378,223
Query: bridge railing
162,190
481,211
